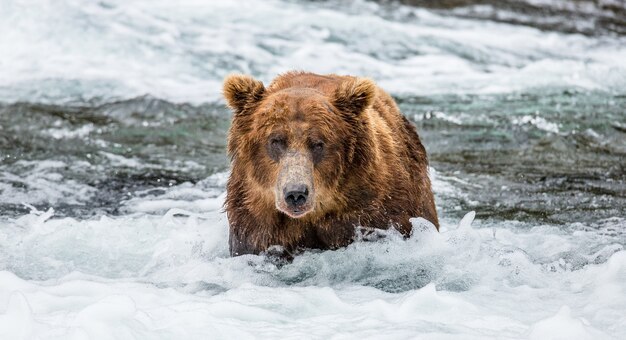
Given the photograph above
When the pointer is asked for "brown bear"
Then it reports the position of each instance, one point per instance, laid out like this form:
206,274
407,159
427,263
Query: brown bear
316,156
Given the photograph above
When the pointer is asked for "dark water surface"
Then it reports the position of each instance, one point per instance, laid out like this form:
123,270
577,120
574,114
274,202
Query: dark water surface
590,17
551,157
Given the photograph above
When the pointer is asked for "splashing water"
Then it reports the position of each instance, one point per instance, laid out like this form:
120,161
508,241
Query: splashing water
113,171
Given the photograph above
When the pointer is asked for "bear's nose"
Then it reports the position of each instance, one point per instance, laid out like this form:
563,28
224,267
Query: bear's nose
296,195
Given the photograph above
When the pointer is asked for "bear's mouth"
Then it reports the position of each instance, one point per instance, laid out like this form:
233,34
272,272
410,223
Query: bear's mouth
294,212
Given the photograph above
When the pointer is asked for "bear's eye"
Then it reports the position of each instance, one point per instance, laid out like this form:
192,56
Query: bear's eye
276,147
317,149
275,142
319,146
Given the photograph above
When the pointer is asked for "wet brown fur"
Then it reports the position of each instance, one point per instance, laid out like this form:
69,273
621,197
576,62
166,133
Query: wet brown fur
373,172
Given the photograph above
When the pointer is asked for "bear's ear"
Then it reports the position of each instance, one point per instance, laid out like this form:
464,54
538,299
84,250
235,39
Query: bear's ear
242,91
354,95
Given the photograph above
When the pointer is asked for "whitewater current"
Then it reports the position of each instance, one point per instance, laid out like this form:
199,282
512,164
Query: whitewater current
113,172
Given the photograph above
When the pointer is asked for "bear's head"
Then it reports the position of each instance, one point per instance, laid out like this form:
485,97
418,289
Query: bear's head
296,142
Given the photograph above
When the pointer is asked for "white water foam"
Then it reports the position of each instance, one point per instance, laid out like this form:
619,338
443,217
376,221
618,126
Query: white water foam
36,182
79,49
167,275
537,121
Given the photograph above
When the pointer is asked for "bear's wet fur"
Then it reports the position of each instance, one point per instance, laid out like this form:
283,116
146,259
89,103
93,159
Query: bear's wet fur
316,156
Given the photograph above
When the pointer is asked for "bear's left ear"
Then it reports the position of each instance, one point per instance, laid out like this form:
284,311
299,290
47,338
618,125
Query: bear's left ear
354,95
242,91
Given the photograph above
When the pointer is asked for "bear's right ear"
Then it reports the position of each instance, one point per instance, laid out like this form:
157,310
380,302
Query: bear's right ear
354,95
242,91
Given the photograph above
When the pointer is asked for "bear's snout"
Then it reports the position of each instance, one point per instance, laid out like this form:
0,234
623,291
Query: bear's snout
296,195
294,188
